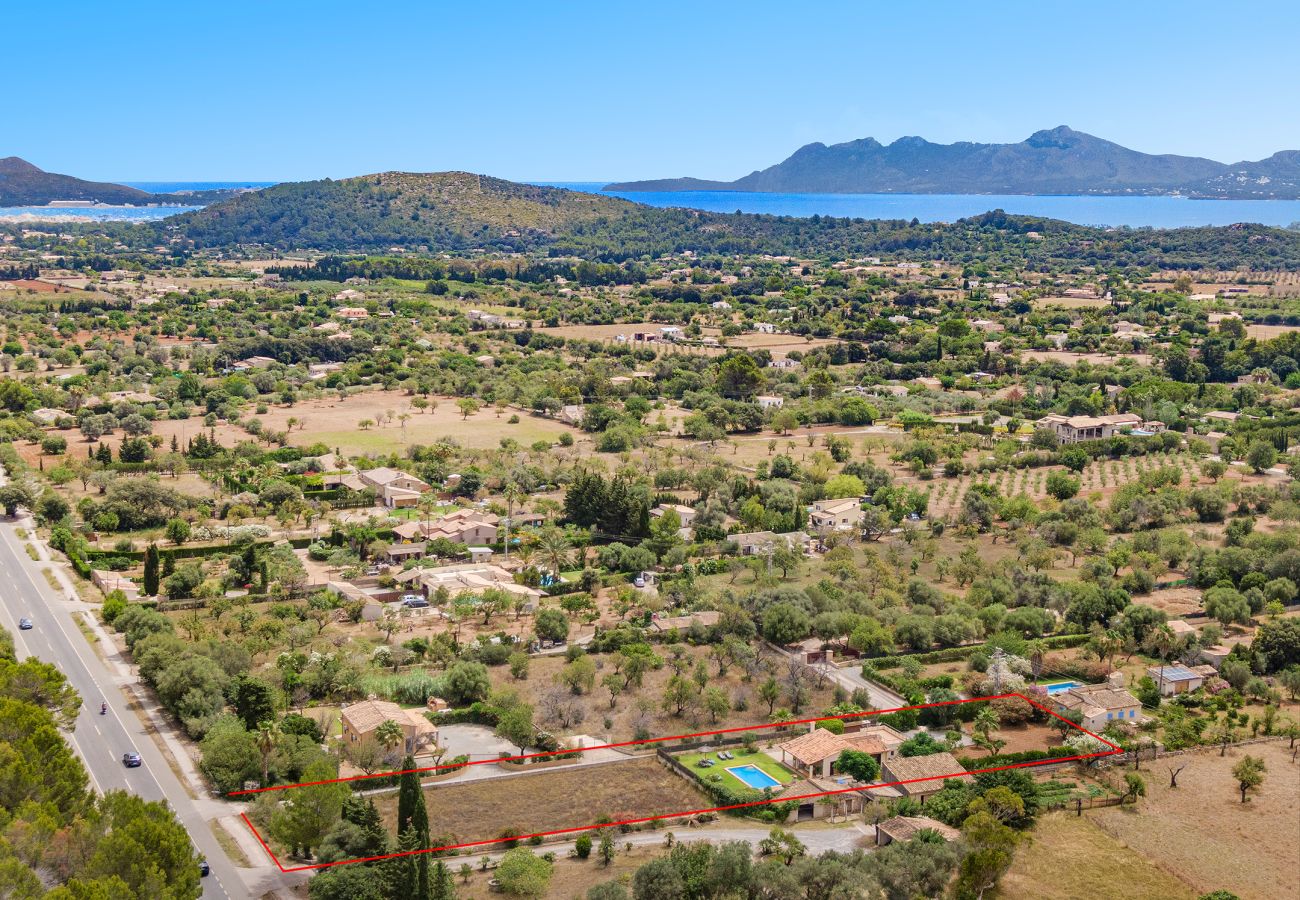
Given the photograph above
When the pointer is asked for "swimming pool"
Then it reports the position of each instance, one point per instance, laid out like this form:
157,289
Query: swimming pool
754,777
1061,686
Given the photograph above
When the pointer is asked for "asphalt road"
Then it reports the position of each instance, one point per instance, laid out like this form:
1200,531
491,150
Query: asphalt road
101,740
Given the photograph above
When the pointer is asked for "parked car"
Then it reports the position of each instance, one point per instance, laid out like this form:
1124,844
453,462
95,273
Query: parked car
24,624
414,601
132,760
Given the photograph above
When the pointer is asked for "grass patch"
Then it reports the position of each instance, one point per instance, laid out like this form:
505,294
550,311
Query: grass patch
229,845
51,579
1073,859
31,552
86,631
21,532
757,759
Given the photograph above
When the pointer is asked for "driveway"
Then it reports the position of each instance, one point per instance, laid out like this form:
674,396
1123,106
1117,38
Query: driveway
475,741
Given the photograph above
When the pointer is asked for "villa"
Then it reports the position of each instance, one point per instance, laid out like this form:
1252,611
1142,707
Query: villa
844,514
362,720
1099,704
921,776
1072,429
815,753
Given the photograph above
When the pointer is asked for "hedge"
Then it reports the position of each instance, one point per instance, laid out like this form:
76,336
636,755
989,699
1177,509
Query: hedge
1023,756
956,654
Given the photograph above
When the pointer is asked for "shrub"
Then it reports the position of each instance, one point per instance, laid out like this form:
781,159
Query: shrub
582,846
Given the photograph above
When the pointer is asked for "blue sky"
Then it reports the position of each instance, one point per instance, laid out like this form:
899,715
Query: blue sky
588,91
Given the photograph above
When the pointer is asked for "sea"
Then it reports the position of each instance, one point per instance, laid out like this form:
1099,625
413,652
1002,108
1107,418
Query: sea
123,213
1133,212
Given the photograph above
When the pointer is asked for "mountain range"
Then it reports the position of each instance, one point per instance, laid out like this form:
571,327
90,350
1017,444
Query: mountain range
24,184
1057,161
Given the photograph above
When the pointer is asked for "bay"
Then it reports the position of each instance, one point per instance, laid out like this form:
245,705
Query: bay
1133,212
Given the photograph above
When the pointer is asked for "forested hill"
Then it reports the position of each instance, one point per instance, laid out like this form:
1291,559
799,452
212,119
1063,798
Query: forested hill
460,212
1059,161
441,210
23,184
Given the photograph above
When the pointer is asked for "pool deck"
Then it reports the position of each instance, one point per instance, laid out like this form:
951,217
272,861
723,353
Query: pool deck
758,759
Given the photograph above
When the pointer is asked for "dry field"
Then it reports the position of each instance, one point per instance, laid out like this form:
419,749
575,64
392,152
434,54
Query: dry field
1070,302
544,669
551,800
1268,332
1068,358
1203,832
778,344
571,878
336,423
1070,858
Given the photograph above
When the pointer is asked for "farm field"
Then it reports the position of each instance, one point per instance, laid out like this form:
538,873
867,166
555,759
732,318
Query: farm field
626,717
1071,858
550,800
1069,358
1070,302
1268,332
1256,844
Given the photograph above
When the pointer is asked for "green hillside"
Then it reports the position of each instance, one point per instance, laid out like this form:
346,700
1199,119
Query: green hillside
443,210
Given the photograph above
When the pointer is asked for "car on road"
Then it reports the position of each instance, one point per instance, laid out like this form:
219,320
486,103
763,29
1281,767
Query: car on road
24,624
132,760
204,869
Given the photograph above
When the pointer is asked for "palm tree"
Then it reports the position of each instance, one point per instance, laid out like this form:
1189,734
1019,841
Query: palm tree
389,735
514,494
553,544
267,737
1036,651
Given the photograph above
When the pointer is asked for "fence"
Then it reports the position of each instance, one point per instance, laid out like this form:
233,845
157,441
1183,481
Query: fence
1080,804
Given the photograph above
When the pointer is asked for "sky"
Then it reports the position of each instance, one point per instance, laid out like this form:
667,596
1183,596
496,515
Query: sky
578,91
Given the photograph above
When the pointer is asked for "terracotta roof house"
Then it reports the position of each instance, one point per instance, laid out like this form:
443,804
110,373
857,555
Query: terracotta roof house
396,488
754,543
1100,705
361,720
1072,429
921,776
904,828
815,752
844,514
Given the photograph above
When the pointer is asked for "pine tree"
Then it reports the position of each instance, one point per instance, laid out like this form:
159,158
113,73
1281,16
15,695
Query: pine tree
151,570
441,885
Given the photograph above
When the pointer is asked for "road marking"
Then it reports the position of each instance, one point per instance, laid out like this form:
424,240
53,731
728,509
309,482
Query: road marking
47,597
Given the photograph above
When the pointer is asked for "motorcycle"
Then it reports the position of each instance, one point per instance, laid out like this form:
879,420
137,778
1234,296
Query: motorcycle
103,709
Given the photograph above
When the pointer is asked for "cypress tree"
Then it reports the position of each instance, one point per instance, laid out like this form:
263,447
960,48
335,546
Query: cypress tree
151,570
413,826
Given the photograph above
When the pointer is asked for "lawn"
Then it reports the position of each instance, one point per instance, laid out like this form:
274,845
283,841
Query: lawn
757,759
1070,858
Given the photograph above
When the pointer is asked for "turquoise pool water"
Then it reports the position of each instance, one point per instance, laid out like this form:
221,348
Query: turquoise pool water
754,777
1061,686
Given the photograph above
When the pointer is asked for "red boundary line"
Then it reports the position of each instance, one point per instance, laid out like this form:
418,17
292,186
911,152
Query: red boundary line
1114,749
